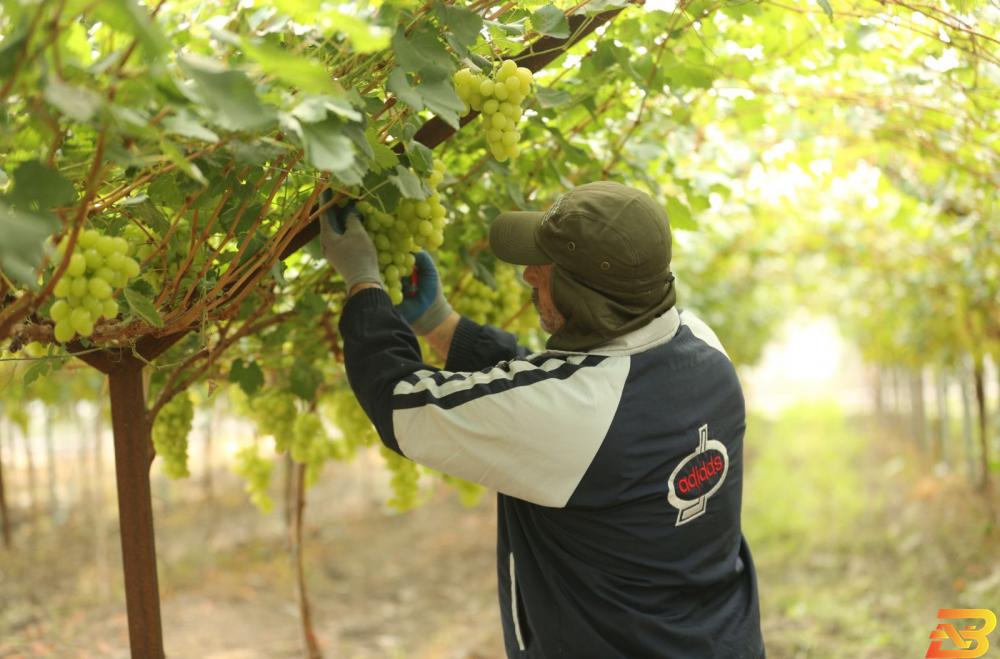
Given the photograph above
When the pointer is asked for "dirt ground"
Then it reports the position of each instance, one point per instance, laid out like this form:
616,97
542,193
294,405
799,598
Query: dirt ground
857,540
381,584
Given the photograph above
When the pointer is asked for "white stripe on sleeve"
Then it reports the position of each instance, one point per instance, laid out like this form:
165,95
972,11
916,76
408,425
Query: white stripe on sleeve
533,441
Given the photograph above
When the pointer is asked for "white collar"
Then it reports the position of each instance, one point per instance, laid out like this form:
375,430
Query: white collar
656,332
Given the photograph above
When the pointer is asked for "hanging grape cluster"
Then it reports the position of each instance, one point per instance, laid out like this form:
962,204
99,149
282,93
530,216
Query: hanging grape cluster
274,412
417,224
256,471
405,480
343,409
469,493
170,434
499,98
312,446
477,301
99,265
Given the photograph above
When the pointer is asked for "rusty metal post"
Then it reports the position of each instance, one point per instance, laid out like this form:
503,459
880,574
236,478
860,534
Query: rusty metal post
135,508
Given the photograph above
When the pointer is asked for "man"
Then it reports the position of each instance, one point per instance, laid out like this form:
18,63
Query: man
617,453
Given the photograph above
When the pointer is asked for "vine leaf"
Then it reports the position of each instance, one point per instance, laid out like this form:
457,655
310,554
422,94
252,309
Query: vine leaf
9,49
680,215
74,102
247,375
143,307
38,187
440,98
305,74
408,183
421,157
421,51
550,21
326,146
39,369
229,93
399,85
365,36
128,17
551,98
185,125
462,26
304,379
825,4
24,234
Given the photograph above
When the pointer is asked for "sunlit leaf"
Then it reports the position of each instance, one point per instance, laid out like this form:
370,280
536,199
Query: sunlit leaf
550,21
228,92
143,307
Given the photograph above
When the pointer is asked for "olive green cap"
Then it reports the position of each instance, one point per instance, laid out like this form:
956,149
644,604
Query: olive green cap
611,247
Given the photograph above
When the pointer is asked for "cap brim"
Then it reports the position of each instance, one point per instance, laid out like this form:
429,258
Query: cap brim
512,238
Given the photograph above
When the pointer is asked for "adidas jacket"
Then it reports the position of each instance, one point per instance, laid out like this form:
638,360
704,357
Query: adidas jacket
619,474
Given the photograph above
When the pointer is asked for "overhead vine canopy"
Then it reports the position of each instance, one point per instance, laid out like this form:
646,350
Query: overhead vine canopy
203,132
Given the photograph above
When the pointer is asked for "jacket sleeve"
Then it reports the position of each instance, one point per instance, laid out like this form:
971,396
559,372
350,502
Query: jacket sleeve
475,347
493,426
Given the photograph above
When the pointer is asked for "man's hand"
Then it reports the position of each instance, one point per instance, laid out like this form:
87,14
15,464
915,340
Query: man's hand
424,306
351,251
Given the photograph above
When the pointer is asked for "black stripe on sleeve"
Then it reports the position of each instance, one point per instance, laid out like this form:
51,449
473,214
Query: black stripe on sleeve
496,386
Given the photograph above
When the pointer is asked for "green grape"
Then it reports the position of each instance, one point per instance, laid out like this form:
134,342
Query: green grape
256,471
99,288
77,265
500,100
416,224
59,310
497,306
170,434
63,331
274,413
110,309
405,480
356,430
469,493
85,292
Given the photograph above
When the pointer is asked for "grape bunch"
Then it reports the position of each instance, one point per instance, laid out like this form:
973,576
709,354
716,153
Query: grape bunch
416,224
405,480
170,434
312,446
479,302
469,493
355,428
256,470
499,99
274,412
85,293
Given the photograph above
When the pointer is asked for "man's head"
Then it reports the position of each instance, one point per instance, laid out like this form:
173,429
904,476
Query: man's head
603,252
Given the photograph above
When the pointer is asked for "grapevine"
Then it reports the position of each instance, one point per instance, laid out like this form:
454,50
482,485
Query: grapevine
99,265
170,434
416,224
499,98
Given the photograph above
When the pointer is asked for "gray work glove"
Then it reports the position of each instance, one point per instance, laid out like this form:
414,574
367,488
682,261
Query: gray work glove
352,252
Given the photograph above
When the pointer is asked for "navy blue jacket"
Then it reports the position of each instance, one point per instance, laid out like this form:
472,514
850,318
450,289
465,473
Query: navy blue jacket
619,472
